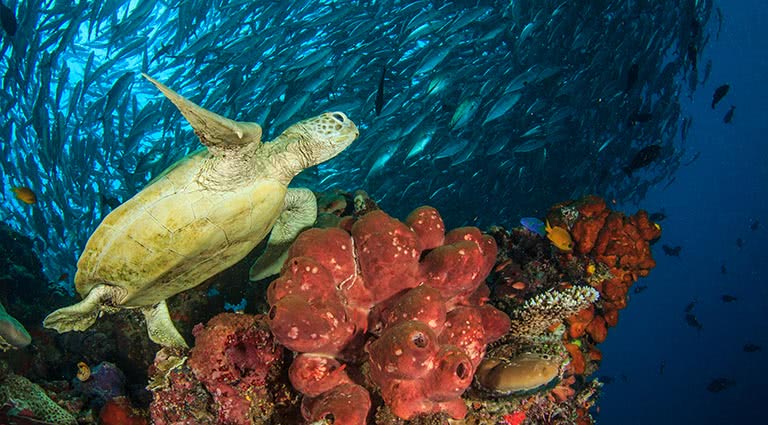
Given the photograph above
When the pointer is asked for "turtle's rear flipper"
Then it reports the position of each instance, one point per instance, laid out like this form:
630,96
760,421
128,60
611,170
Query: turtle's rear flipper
299,214
160,326
80,316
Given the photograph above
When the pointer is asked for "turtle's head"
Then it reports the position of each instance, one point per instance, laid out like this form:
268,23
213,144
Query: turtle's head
321,138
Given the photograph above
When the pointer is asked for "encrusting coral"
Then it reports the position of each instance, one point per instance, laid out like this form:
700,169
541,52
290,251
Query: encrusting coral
228,374
22,399
405,299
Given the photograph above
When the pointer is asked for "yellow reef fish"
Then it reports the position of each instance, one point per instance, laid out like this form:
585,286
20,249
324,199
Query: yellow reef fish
24,194
559,237
83,371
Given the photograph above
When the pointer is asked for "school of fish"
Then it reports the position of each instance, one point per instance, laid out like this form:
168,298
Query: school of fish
487,110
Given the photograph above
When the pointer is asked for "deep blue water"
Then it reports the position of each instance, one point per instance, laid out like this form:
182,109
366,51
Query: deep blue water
709,206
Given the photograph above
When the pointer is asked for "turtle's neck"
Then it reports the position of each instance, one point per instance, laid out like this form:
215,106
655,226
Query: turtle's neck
229,169
288,155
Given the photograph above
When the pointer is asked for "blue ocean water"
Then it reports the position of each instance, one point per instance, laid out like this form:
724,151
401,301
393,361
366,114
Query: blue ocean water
712,203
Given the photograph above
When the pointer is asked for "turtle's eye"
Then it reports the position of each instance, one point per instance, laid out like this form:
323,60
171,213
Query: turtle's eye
338,117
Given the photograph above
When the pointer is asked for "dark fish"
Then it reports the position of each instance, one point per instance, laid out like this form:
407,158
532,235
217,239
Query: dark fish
662,365
692,160
693,56
719,94
690,306
110,201
606,379
729,115
380,92
693,322
739,242
8,20
728,298
751,348
658,216
638,117
643,158
720,384
672,251
755,225
723,270
632,75
640,288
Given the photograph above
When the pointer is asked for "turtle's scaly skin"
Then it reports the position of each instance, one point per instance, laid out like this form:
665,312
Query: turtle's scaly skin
201,216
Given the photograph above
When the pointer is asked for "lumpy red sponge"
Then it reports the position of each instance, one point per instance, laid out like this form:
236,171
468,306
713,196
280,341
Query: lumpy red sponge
405,298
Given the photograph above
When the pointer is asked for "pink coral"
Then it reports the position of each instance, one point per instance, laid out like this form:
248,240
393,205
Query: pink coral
234,355
406,297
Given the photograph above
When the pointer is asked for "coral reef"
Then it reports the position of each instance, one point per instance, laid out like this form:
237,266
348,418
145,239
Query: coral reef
550,308
24,399
561,304
104,382
614,251
390,322
520,374
118,411
179,398
226,378
405,301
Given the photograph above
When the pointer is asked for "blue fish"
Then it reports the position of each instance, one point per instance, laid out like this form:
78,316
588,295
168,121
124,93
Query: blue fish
534,225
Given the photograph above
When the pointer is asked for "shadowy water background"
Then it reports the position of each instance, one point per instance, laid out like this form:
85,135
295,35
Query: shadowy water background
710,205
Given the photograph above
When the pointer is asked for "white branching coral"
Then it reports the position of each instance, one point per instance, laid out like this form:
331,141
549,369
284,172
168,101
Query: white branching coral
550,308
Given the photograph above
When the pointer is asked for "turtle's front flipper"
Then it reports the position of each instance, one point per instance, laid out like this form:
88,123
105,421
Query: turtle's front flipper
160,326
299,214
80,316
213,130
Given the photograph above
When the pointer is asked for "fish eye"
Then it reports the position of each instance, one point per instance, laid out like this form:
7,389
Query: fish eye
338,117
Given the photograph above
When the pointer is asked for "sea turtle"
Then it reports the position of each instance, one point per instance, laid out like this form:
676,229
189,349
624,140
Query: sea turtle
201,216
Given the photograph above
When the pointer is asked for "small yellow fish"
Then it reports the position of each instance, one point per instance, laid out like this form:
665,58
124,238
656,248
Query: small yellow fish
559,237
24,194
83,371
591,269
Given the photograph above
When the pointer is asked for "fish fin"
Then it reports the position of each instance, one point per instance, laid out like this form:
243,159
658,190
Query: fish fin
160,326
212,129
299,214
